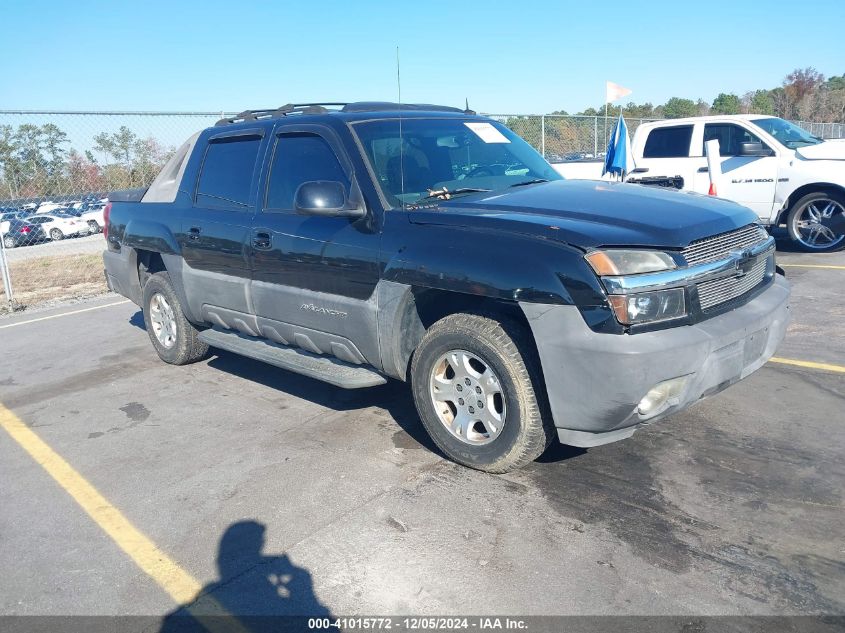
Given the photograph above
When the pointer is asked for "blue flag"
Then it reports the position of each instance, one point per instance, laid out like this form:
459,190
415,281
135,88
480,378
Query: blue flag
618,159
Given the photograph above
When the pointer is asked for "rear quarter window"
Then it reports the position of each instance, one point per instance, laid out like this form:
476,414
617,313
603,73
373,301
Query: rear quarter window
225,178
668,142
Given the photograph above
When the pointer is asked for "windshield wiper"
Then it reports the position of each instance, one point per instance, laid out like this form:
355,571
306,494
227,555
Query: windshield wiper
445,194
530,182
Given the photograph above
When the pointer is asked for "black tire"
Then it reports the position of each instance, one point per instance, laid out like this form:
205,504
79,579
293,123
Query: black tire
56,235
92,224
525,432
187,348
798,208
9,241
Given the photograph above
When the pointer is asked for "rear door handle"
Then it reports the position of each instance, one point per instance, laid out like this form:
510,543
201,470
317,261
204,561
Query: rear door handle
262,241
194,233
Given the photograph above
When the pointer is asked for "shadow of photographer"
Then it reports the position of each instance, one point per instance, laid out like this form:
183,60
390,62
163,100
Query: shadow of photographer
254,593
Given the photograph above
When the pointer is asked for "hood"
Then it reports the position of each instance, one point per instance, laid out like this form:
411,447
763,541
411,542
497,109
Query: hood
590,213
829,150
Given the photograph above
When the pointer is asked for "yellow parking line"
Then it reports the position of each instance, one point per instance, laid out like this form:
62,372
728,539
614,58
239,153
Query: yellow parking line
178,583
808,364
56,316
829,266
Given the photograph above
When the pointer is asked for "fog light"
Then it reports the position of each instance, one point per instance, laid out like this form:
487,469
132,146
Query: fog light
661,395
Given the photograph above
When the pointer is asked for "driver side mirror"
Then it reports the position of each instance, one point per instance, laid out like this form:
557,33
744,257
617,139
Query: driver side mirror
754,149
325,198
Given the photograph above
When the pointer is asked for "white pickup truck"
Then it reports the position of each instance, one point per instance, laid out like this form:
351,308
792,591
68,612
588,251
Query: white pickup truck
779,170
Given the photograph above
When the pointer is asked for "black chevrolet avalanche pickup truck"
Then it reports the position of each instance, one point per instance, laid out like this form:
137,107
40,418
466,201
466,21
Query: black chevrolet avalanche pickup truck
360,242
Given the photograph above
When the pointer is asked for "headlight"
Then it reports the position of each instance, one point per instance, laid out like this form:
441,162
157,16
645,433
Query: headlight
629,262
647,307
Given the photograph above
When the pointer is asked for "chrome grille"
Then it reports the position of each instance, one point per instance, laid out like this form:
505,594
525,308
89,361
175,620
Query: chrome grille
719,291
711,249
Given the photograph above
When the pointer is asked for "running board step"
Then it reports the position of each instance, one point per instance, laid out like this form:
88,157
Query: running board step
324,368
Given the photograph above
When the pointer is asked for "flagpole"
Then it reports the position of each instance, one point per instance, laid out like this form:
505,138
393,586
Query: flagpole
605,121
622,175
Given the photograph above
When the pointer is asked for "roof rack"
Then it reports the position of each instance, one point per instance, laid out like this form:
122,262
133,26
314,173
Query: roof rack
321,108
274,113
384,106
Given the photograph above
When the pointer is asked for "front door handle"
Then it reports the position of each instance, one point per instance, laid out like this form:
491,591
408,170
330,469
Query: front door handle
262,241
703,170
194,233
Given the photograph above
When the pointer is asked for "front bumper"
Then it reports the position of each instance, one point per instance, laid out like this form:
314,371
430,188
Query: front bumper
595,381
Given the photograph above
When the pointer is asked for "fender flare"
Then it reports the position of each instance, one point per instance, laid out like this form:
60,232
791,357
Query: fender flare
150,236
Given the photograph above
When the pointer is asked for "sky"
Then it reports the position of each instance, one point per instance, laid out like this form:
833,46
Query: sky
509,57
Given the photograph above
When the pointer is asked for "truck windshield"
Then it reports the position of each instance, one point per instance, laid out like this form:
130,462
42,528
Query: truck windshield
458,155
789,134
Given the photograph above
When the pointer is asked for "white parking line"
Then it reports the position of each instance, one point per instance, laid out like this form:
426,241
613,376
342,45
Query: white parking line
56,316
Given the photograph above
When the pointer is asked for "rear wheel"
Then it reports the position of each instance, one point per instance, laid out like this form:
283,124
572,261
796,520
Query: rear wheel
9,241
474,387
174,338
56,234
813,221
92,224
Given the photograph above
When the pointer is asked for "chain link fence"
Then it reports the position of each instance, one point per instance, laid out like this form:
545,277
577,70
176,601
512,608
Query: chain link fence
56,169
823,130
565,137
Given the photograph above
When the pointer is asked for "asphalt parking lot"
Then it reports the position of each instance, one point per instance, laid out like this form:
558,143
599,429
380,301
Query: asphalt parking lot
279,494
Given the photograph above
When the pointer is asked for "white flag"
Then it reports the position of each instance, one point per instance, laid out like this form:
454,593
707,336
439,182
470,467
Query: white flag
615,91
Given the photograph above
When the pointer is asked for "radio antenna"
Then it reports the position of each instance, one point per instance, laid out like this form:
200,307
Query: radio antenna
401,142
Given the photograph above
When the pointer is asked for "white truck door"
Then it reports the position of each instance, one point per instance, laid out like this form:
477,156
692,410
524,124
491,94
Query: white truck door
666,153
748,180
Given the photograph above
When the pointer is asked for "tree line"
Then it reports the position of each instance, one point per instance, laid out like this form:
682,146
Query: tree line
805,94
36,161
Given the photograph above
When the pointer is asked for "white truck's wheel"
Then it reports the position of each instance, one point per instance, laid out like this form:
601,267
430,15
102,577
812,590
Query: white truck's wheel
809,222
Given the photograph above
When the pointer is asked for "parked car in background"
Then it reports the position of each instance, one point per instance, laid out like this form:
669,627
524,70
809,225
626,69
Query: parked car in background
21,233
48,206
93,217
60,225
5,217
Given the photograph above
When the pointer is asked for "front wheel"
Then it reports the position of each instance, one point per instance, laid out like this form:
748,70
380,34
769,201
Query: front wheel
174,338
9,241
93,226
813,221
477,390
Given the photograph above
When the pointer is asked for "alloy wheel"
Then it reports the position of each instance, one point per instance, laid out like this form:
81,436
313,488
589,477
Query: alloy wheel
809,224
162,320
467,397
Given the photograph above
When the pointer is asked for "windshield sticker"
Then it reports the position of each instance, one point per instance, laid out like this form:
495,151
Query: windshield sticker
487,132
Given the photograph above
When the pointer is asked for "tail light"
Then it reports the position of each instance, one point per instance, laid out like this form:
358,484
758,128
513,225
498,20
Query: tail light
106,212
26,229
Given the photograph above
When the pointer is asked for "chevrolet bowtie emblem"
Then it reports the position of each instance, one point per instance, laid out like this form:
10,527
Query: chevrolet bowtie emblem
744,261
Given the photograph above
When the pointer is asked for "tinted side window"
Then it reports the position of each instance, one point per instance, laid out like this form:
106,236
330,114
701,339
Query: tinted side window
226,173
668,142
300,158
729,136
